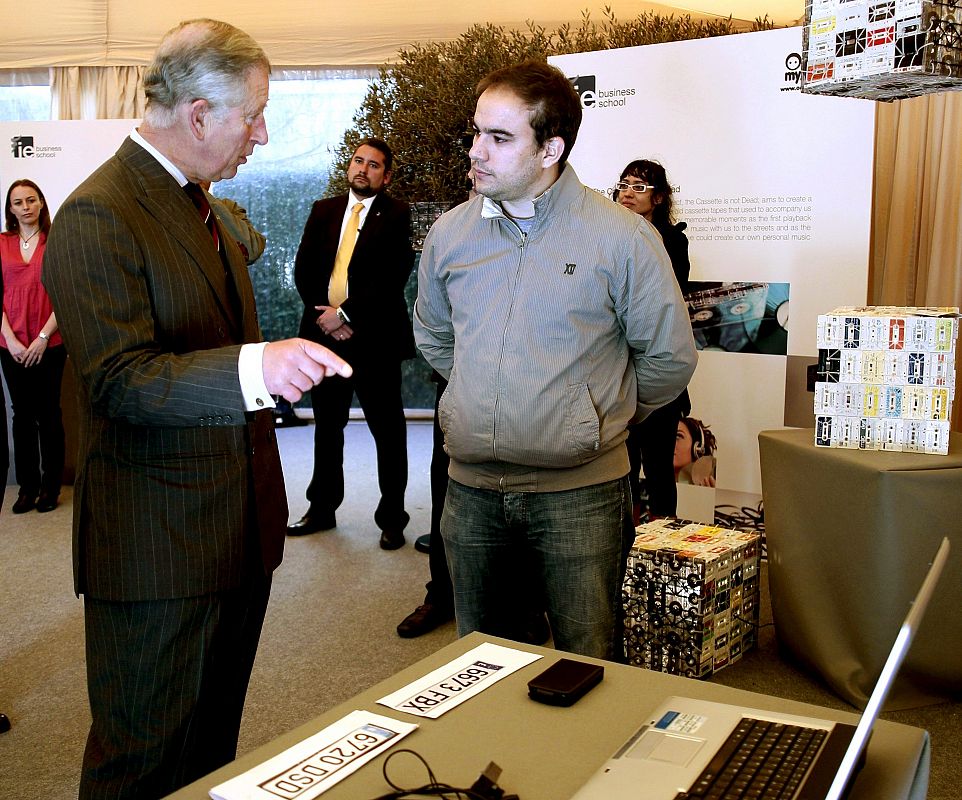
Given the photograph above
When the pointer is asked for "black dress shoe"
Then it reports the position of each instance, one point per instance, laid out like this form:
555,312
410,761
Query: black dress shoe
392,538
24,503
46,502
312,523
423,543
423,619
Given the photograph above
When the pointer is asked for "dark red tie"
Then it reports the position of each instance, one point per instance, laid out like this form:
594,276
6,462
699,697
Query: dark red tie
199,199
197,196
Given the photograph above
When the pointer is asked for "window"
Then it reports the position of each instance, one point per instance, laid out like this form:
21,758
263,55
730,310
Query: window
24,94
306,119
307,115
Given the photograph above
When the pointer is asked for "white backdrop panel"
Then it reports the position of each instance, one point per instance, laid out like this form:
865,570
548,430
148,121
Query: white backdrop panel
58,155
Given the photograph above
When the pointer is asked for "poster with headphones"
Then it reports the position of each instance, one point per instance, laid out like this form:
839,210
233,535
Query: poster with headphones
773,188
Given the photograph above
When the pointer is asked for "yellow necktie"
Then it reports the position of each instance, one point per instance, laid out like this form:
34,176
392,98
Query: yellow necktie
337,289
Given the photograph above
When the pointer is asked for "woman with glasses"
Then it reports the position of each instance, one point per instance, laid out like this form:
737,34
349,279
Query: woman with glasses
644,189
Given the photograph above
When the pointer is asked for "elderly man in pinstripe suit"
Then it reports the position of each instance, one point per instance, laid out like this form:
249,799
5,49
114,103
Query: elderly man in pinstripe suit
179,506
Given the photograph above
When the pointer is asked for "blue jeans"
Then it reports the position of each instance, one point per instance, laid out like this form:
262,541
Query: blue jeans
568,549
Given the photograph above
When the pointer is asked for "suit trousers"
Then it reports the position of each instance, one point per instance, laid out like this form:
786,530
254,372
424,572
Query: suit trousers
651,445
38,436
4,448
167,681
440,592
378,387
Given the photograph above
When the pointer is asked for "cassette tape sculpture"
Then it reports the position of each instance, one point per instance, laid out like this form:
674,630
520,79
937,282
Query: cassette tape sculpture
423,216
690,597
882,49
886,378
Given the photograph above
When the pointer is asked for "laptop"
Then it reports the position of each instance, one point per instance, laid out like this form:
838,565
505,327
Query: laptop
690,748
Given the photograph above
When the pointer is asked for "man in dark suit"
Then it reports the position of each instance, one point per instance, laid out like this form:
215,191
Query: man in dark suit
179,503
351,268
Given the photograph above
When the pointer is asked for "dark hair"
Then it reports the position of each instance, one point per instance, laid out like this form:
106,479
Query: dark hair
554,104
13,224
703,442
382,146
653,173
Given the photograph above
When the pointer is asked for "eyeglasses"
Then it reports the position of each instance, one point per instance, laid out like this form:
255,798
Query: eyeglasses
634,188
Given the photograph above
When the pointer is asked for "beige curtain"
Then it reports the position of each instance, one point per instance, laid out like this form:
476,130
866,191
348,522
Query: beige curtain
96,92
916,255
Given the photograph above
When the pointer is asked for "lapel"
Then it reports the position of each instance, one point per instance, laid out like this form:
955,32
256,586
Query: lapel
370,233
373,221
334,220
160,196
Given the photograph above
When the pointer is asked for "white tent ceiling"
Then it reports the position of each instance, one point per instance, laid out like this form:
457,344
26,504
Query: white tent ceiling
308,32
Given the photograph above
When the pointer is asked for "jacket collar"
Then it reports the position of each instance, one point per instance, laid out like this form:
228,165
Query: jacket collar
560,193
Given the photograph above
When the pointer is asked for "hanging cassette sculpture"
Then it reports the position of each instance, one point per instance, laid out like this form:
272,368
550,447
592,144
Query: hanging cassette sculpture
882,49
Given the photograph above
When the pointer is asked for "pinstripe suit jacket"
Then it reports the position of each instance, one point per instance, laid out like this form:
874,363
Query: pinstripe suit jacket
179,492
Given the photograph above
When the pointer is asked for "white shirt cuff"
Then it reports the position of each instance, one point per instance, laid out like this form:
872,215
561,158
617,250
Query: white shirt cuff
250,369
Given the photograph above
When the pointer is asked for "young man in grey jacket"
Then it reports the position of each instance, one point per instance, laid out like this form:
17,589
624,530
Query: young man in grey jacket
555,317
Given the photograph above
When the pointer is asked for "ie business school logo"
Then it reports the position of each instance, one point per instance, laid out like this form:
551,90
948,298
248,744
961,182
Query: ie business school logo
592,97
24,147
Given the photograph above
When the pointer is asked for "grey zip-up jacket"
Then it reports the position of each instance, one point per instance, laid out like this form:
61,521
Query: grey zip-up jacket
551,342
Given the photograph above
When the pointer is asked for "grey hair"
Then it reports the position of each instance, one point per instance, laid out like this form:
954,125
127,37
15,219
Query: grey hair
200,58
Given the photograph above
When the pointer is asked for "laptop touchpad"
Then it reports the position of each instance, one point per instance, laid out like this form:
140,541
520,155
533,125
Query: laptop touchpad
667,747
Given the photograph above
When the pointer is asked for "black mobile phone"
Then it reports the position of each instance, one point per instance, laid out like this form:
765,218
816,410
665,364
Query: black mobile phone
565,682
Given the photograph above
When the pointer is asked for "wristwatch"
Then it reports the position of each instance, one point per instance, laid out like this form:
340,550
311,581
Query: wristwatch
43,336
341,316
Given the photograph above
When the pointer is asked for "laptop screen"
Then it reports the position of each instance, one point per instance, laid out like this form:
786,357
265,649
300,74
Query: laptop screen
889,671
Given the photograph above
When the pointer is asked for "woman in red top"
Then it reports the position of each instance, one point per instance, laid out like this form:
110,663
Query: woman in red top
31,351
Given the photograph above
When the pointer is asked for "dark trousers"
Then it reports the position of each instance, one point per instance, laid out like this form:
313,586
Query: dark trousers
378,388
4,447
651,444
167,681
38,438
439,590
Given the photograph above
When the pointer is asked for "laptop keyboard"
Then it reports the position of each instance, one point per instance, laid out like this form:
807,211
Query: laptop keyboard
760,759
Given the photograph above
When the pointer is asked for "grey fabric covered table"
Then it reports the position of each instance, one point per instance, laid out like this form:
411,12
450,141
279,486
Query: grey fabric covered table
850,535
546,752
